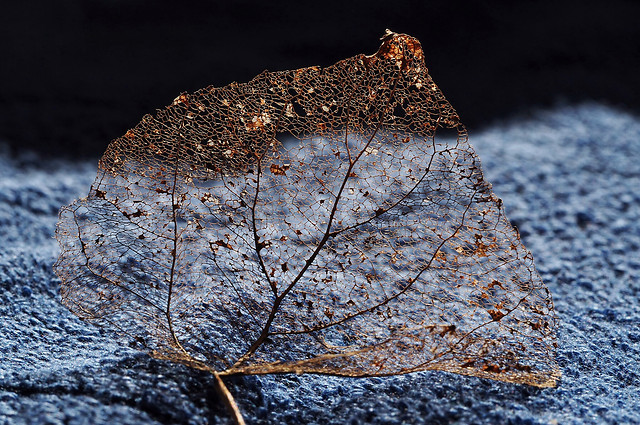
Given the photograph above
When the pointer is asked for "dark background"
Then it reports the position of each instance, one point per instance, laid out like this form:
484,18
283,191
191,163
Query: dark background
76,74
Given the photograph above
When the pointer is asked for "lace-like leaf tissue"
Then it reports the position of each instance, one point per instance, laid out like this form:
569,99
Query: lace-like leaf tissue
325,220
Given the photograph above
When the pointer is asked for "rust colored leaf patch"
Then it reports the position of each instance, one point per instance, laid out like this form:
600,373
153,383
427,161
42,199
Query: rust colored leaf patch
313,220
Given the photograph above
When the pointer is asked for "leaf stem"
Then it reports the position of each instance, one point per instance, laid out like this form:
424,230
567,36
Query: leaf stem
228,400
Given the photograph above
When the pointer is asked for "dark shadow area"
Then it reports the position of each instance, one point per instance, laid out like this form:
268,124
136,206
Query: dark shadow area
77,74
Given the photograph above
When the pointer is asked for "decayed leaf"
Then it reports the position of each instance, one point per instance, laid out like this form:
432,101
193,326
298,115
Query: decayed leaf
312,220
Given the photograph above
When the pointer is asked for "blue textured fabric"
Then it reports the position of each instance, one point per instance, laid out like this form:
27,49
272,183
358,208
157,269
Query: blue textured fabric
570,181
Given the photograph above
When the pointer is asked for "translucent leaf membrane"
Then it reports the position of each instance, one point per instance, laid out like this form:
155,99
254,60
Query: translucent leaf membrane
316,220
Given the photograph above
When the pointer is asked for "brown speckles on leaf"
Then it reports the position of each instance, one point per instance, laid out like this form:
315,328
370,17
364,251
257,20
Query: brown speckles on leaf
496,315
495,283
491,368
136,214
279,170
447,329
522,368
183,98
223,244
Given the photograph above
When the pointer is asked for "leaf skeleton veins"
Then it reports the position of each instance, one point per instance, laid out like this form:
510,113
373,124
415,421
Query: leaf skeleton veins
321,220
